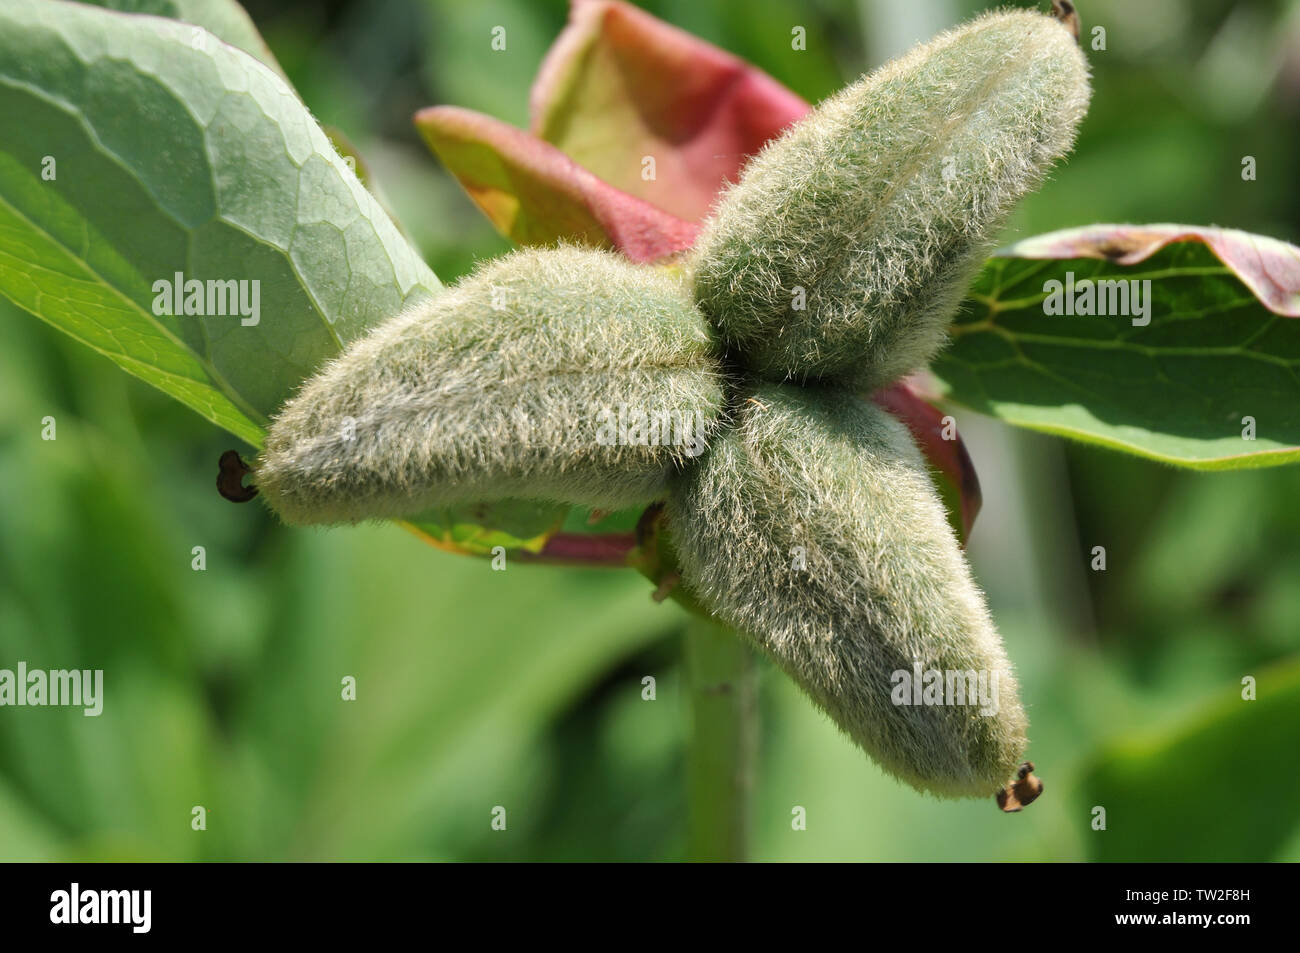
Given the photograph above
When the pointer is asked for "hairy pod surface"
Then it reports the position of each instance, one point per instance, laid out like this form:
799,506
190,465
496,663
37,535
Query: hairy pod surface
566,374
813,527
845,248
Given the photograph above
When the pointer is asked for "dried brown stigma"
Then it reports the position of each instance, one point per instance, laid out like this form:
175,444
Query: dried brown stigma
1065,11
1021,792
230,478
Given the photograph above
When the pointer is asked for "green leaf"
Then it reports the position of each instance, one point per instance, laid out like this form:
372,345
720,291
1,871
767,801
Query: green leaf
478,529
1221,345
1205,789
224,19
131,151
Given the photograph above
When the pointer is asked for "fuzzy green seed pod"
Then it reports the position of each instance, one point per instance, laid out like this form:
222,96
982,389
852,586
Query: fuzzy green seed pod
567,375
845,248
813,528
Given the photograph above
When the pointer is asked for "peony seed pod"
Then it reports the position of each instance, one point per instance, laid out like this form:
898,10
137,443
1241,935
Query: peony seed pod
566,375
812,527
844,250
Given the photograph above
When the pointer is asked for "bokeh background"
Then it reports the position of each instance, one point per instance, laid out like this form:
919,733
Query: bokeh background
523,688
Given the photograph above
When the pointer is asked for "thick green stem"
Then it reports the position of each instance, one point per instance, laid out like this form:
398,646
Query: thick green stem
720,760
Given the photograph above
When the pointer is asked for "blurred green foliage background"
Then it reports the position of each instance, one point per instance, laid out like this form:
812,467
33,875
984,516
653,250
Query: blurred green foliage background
523,688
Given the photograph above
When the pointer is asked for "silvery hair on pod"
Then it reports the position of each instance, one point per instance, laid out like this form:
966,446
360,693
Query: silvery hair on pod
813,528
511,384
845,248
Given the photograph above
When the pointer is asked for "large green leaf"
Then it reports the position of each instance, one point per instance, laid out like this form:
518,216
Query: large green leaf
1208,788
175,154
224,19
1221,345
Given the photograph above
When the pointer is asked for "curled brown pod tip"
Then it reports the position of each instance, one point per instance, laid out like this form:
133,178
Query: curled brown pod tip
230,478
1021,792
1065,11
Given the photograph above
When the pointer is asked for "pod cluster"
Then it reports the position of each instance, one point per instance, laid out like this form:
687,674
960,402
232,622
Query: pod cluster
801,513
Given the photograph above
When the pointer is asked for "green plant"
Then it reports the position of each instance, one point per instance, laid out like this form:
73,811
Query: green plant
503,388
254,189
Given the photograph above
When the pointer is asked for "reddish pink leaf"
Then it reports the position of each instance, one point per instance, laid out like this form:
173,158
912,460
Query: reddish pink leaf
620,85
960,486
535,194
1268,267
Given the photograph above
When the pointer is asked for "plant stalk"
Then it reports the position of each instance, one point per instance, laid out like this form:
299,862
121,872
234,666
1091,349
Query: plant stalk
723,690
